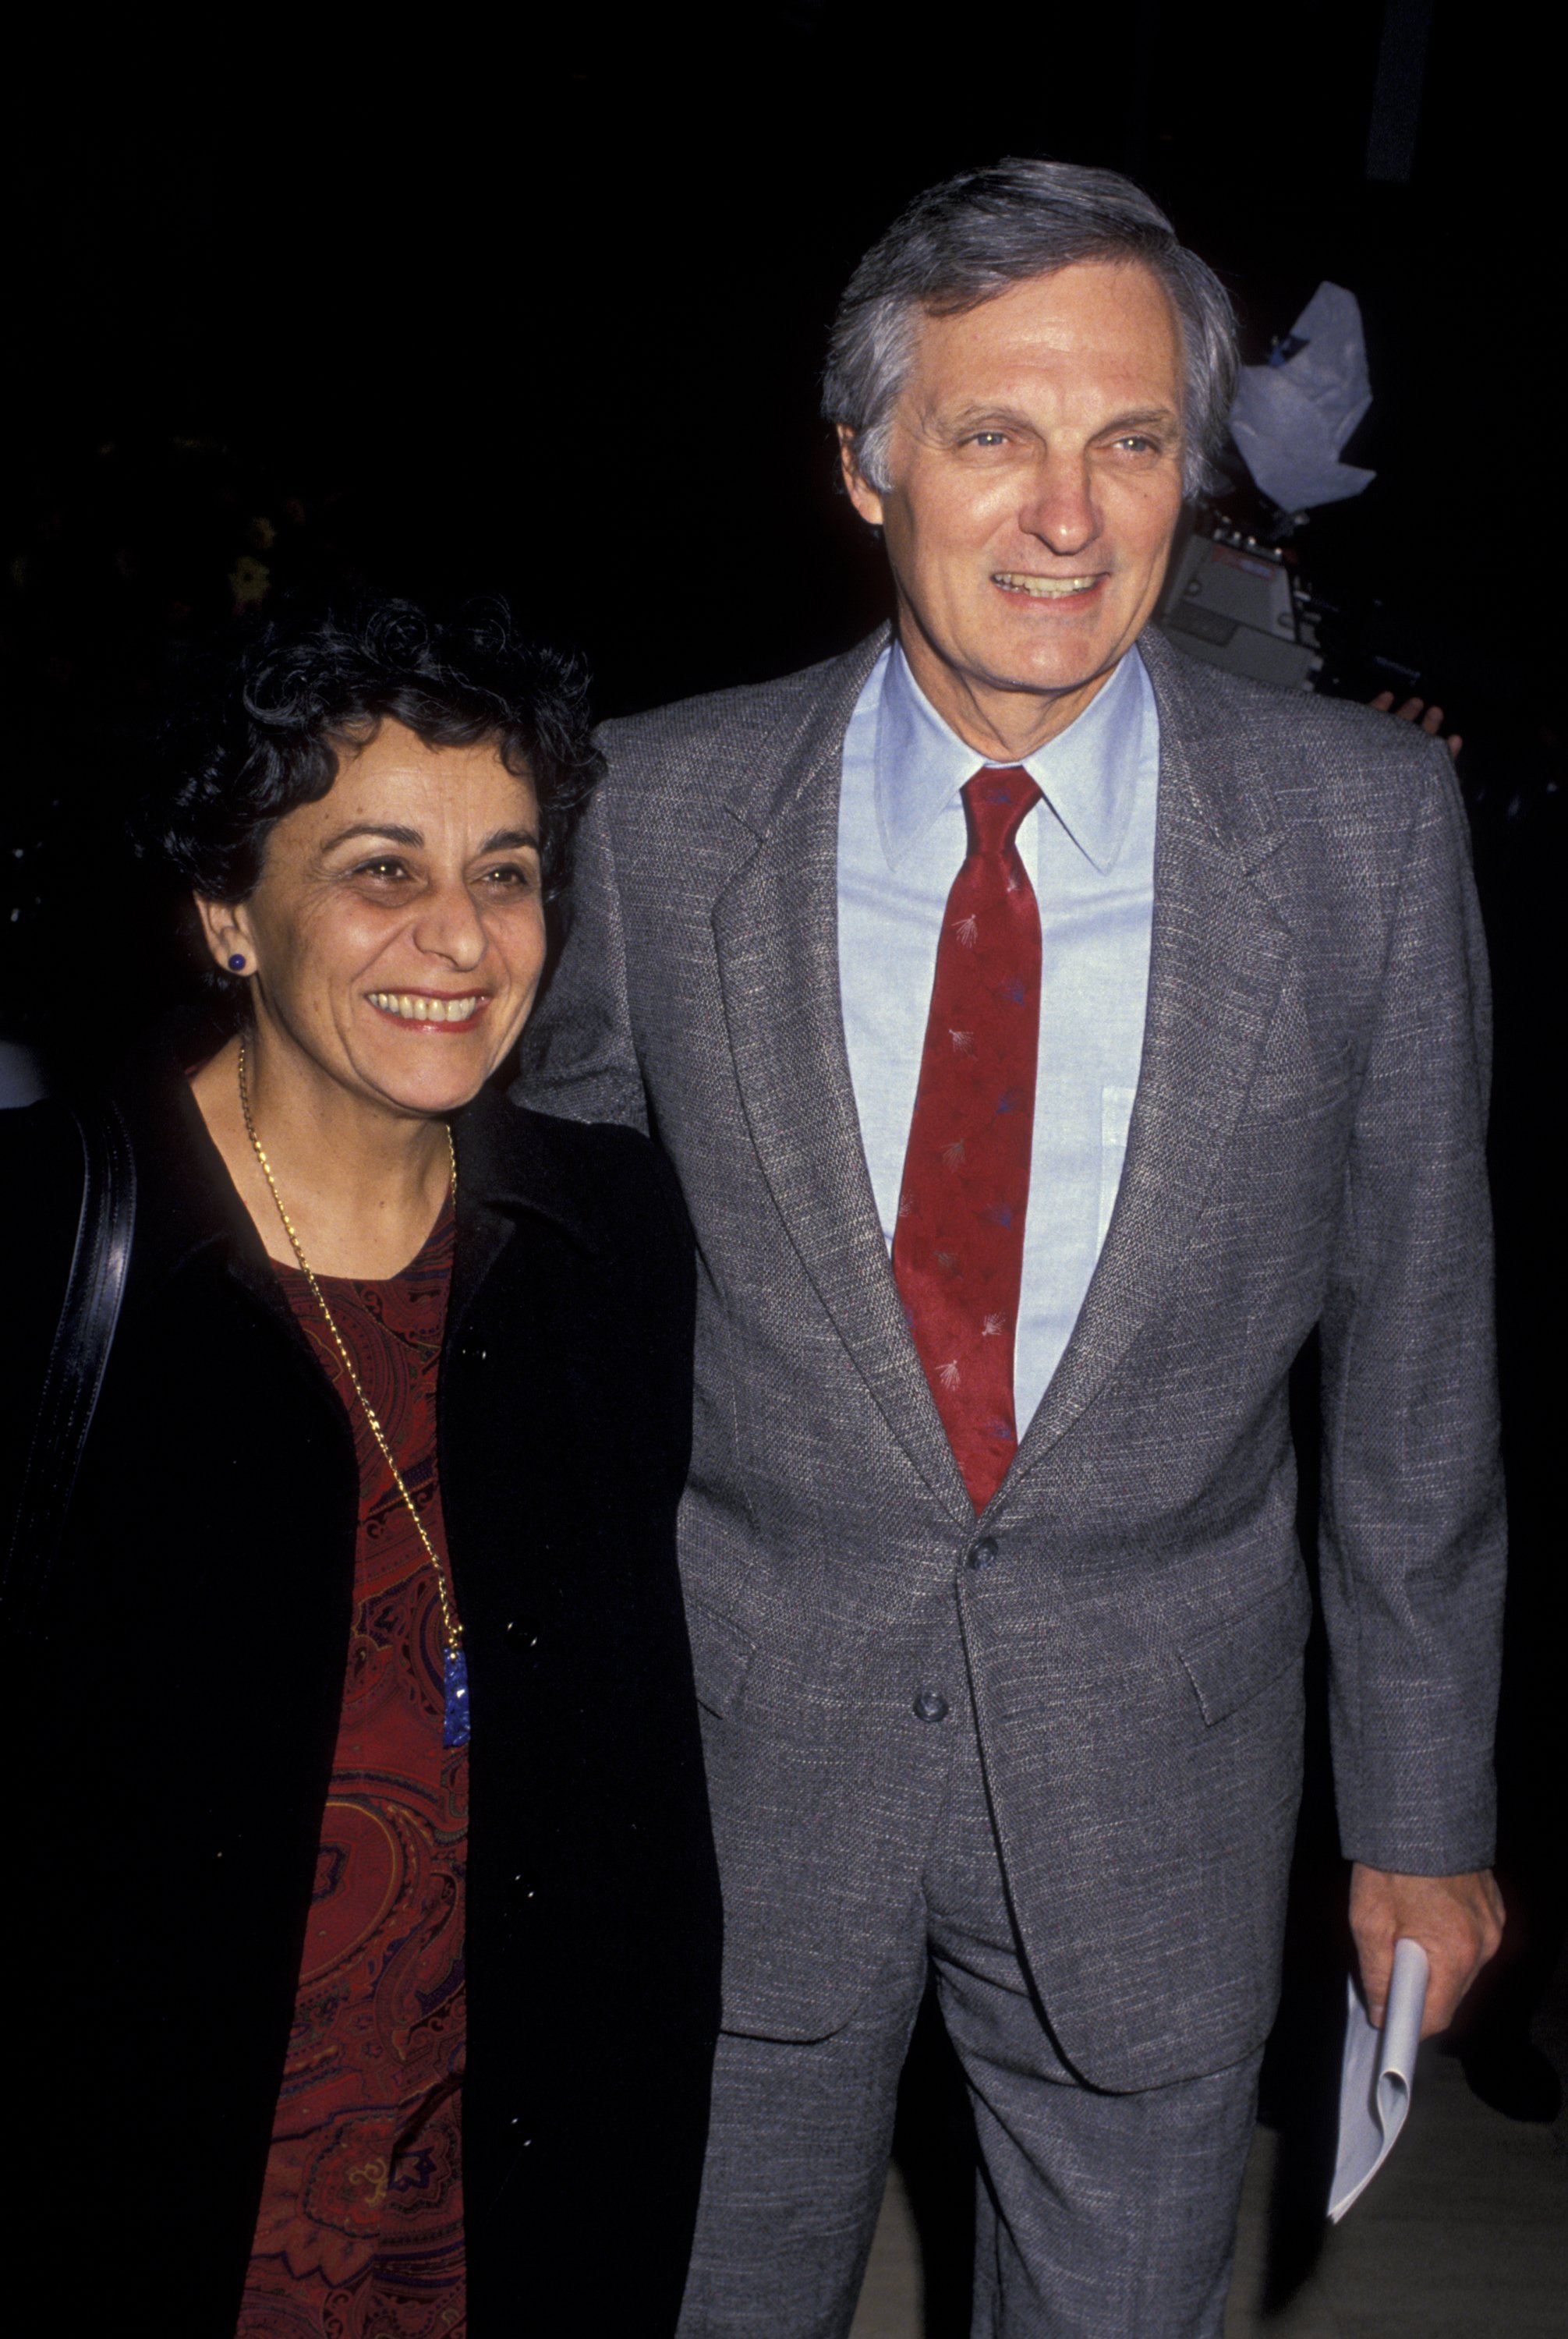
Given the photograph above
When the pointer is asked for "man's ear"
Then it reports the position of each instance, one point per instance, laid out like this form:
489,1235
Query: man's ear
865,498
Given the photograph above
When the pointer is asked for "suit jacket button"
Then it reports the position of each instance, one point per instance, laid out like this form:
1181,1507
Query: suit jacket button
981,1553
522,1633
930,1705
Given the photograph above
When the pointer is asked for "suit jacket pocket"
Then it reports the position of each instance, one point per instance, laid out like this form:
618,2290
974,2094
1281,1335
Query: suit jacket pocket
721,1657
1237,1660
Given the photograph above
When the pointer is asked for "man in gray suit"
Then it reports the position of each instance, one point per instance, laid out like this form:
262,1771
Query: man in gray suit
1049,1034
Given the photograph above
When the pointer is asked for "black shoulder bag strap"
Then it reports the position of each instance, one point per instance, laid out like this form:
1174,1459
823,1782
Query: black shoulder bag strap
74,1374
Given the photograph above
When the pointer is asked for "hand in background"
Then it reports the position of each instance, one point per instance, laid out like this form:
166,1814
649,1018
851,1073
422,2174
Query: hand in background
1458,1919
1416,710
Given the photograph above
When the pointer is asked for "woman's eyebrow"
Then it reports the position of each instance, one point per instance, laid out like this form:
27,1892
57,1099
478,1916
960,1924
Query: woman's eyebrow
504,840
388,829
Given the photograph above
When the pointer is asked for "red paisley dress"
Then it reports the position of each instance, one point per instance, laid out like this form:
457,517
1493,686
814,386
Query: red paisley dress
361,2230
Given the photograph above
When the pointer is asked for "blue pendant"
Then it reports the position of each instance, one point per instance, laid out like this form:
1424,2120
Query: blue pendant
455,1681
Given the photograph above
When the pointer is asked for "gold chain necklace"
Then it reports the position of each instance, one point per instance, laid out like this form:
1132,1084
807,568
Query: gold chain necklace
455,1726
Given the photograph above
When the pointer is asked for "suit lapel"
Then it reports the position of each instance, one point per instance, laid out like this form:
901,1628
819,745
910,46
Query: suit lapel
775,929
1217,962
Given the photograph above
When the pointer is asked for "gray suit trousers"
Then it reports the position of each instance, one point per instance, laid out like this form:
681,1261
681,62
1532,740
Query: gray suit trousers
1099,2216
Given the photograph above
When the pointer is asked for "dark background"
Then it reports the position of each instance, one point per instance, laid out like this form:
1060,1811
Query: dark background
542,306
544,310
551,317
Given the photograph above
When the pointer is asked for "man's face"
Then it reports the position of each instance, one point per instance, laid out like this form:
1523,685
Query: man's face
1035,462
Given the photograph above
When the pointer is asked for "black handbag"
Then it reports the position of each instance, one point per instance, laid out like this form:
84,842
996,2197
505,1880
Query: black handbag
77,1358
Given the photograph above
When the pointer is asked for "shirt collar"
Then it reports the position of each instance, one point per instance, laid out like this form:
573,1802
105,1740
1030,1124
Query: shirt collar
1088,774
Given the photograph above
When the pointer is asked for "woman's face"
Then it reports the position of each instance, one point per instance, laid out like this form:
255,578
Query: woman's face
397,935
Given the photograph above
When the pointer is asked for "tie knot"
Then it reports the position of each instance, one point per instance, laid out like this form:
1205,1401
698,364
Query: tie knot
995,802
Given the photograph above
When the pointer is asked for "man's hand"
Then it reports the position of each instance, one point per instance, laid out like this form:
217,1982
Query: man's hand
1415,710
1458,1919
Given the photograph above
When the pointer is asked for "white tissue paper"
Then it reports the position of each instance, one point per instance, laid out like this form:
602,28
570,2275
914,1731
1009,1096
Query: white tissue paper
1292,416
1374,2078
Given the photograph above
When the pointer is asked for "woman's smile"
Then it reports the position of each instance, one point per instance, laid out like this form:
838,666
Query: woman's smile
431,1011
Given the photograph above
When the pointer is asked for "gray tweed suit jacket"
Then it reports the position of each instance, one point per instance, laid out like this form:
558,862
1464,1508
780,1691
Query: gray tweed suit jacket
1306,1149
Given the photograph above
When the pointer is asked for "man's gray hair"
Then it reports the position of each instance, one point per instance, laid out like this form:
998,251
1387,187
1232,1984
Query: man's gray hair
962,243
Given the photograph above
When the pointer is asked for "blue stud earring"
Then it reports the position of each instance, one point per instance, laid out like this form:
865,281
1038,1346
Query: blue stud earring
237,963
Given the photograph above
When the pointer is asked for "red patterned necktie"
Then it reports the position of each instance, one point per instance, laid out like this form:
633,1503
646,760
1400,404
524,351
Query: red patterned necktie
958,1246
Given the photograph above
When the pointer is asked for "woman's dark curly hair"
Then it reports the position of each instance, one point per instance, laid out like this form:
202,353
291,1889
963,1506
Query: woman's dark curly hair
268,738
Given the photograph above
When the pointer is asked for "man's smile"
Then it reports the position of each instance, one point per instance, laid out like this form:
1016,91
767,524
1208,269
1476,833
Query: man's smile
1045,588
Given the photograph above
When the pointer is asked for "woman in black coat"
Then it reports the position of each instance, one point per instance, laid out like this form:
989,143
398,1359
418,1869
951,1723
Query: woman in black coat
322,2016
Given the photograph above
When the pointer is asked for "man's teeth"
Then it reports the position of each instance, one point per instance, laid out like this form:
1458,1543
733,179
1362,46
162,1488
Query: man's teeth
1044,588
413,1009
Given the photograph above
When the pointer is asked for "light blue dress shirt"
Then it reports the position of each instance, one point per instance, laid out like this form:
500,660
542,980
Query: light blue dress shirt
1088,849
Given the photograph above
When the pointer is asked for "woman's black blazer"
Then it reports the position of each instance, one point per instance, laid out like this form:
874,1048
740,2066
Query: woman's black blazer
171,1719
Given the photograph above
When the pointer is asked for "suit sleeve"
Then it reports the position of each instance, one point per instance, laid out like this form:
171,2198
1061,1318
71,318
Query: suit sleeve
1413,1529
578,1057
